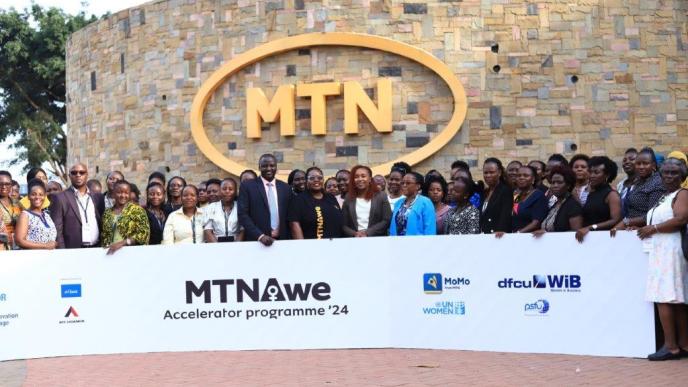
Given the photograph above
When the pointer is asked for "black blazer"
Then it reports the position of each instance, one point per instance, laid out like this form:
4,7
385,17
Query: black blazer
497,215
254,211
156,229
378,220
64,211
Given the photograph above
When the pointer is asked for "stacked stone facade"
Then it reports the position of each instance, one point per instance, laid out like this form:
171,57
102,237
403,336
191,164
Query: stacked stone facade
590,76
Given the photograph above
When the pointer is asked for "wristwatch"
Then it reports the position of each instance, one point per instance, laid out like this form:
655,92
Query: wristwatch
626,221
128,241
594,227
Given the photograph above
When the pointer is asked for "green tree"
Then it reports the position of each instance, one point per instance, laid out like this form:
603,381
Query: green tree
32,83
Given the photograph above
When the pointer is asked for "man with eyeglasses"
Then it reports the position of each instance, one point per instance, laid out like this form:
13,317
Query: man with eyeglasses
263,204
77,212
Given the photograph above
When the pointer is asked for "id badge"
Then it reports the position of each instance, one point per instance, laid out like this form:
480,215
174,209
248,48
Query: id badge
86,230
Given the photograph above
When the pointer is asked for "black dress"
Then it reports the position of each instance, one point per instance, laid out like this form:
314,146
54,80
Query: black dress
570,208
495,214
532,208
318,218
595,209
156,228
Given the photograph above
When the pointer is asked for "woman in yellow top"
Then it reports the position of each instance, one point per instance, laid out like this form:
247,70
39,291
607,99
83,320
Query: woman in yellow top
681,156
126,223
35,173
185,225
9,211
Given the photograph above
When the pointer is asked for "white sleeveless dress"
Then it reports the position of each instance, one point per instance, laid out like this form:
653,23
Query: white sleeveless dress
667,275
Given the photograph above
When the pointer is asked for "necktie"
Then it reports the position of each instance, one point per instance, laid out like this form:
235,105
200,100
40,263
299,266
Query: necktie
272,202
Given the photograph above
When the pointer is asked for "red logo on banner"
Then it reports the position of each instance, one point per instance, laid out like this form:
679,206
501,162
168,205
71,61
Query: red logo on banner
71,312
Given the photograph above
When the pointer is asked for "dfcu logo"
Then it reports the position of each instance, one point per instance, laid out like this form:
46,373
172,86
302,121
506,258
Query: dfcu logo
556,283
70,290
538,307
71,312
432,283
271,291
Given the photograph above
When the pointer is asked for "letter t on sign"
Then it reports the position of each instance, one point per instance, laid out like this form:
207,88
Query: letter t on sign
355,98
258,107
318,93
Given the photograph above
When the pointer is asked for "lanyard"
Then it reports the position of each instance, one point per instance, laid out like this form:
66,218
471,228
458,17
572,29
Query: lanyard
227,219
41,217
84,209
193,228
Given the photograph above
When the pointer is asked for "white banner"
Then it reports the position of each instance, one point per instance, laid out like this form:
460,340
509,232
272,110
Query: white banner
516,294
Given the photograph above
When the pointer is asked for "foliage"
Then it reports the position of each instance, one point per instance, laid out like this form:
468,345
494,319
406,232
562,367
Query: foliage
32,83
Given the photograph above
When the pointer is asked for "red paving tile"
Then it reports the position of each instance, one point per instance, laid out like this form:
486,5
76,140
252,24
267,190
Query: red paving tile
388,367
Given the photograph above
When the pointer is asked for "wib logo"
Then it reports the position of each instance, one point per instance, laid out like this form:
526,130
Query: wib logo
556,283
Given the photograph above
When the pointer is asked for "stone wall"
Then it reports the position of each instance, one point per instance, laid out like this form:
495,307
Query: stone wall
591,76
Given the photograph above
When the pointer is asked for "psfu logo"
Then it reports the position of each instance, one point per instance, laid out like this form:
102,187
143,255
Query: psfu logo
537,308
239,289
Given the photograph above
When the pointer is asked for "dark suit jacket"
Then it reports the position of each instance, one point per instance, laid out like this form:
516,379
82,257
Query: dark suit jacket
64,211
497,216
378,220
254,211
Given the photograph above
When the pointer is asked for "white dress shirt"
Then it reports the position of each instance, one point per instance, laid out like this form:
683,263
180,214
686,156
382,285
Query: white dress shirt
215,219
87,214
180,228
267,194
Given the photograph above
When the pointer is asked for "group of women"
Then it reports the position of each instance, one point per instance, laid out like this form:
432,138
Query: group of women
578,197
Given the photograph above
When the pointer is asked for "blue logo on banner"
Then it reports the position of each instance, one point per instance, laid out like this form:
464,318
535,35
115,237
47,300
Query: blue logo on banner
432,283
71,290
446,308
556,283
536,308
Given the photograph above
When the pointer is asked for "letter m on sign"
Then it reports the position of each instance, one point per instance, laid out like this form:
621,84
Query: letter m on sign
259,109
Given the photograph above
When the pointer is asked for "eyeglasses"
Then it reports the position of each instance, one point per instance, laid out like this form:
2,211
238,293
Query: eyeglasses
5,184
408,183
315,178
79,173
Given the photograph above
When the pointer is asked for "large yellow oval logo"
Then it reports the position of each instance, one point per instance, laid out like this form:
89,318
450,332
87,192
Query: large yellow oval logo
275,47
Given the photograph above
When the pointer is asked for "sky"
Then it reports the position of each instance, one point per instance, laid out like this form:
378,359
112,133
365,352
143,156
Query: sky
97,8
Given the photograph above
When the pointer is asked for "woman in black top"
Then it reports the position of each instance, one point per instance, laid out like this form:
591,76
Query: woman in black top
314,214
495,211
155,199
530,205
645,192
175,186
602,210
566,214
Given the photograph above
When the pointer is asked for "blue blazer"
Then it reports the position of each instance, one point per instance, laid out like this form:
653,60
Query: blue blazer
421,217
254,212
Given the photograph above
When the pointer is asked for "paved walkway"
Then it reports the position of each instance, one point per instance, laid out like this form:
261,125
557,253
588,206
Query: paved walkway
388,367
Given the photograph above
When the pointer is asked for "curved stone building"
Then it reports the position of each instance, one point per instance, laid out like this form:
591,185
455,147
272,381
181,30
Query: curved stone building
591,76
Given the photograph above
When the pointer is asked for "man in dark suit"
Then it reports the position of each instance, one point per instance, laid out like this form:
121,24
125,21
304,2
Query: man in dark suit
263,204
77,212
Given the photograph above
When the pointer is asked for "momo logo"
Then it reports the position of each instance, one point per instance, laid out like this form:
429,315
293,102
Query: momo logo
281,107
556,283
539,307
237,290
435,283
432,283
71,312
